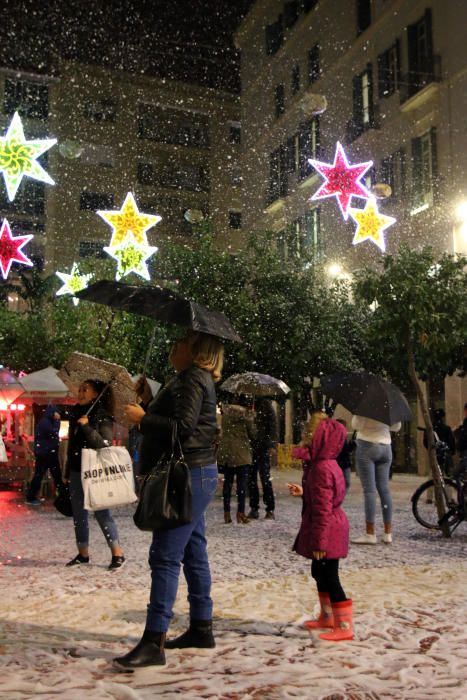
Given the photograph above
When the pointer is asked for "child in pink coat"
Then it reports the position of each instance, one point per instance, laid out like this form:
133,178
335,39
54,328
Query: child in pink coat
324,530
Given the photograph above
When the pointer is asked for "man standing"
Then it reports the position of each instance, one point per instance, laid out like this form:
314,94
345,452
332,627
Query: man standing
46,444
265,441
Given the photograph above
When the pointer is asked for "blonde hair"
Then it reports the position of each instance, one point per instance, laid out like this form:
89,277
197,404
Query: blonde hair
207,352
310,426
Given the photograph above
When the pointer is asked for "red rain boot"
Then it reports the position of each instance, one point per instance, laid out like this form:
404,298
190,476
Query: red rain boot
326,618
342,622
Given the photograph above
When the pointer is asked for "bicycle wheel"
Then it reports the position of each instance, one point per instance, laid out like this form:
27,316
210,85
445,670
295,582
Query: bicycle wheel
424,506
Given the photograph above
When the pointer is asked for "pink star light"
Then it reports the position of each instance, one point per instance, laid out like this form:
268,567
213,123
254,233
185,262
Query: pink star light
342,180
10,249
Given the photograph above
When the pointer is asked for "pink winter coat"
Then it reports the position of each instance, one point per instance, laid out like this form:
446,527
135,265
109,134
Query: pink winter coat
324,524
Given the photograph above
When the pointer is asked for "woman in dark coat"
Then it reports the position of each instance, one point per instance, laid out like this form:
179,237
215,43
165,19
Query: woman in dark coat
91,426
188,401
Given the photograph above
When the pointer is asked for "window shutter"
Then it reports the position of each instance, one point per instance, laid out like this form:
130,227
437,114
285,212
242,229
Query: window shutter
416,171
357,101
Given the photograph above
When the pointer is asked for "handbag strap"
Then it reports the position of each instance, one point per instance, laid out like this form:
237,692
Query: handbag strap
176,442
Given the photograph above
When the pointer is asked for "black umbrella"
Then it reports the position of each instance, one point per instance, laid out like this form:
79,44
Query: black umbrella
162,305
366,394
256,384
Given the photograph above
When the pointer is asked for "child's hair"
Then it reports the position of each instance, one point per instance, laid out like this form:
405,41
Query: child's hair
310,426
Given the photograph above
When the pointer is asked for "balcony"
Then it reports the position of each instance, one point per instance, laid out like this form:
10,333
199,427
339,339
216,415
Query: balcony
416,87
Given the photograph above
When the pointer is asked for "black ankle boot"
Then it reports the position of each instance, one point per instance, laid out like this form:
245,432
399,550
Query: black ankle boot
199,635
148,652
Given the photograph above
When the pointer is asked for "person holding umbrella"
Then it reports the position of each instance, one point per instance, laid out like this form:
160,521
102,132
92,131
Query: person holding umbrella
91,426
188,402
374,459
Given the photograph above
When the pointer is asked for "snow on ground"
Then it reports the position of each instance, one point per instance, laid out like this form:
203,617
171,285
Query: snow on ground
60,627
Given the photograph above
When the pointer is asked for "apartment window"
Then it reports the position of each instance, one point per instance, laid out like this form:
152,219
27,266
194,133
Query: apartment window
290,13
274,36
312,234
363,109
235,135
103,110
88,249
424,170
363,15
173,126
309,145
279,100
295,82
235,219
146,174
92,201
293,153
278,182
30,199
29,98
389,70
420,53
186,177
314,71
393,172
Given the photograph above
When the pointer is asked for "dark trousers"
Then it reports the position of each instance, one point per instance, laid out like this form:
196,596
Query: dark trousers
326,574
44,462
262,466
240,474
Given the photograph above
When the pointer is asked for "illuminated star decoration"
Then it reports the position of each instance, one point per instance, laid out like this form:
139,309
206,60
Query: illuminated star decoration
10,249
72,283
18,157
129,219
131,256
342,180
371,224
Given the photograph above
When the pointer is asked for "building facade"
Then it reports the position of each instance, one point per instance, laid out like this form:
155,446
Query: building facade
174,145
394,75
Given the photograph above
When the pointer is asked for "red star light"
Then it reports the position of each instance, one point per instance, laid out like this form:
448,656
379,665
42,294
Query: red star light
10,249
342,180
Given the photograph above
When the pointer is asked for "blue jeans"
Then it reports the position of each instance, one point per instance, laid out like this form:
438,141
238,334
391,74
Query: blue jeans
374,463
241,474
80,516
187,544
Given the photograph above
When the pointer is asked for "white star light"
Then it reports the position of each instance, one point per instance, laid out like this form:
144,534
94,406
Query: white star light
74,282
18,157
131,256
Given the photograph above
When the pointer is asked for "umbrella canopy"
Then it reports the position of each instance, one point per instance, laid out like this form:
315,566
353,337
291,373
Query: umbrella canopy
366,394
79,367
10,386
162,305
256,384
44,384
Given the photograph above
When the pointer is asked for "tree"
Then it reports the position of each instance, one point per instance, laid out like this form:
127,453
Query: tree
420,324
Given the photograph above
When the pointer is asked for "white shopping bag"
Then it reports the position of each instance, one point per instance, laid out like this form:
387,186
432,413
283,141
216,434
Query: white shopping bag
107,478
3,454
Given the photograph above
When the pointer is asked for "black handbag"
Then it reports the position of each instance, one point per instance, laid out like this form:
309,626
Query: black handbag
62,501
165,494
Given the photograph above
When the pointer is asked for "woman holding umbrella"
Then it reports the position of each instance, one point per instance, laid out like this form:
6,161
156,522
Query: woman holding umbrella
187,401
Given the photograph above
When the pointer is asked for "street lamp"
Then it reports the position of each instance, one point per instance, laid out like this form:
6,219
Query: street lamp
460,228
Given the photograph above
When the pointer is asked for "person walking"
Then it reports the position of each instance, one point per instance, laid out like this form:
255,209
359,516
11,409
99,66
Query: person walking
374,459
187,401
324,531
91,426
235,455
46,452
265,441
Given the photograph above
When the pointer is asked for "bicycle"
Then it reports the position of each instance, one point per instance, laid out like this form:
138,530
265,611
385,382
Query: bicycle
454,490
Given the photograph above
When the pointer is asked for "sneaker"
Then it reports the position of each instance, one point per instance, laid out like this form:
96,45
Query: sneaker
387,538
79,559
32,502
364,539
253,514
269,515
117,562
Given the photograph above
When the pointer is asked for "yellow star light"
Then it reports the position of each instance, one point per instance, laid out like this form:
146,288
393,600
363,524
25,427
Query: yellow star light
72,283
18,157
131,256
129,220
371,224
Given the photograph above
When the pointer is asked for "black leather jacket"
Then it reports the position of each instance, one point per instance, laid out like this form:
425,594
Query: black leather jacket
189,399
96,434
